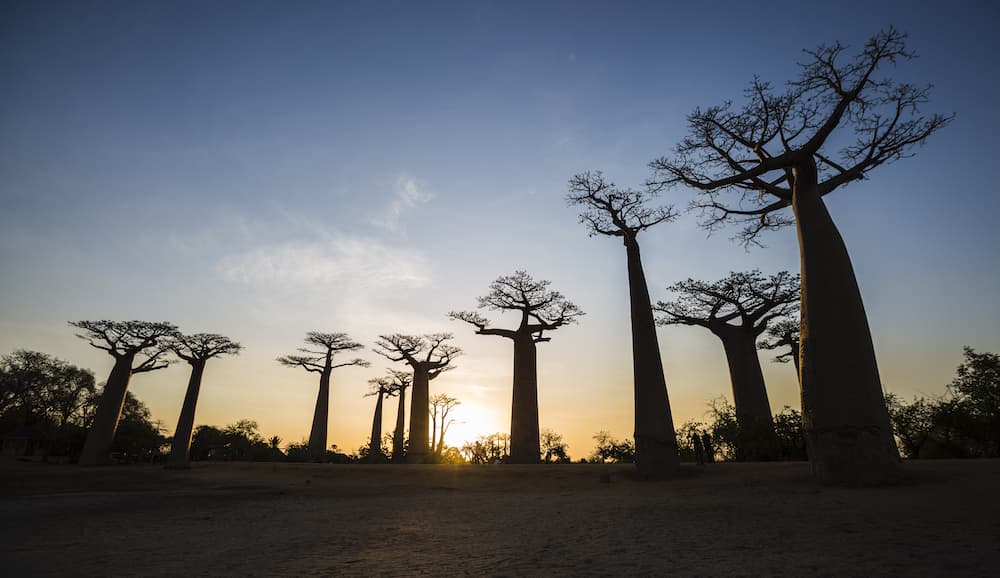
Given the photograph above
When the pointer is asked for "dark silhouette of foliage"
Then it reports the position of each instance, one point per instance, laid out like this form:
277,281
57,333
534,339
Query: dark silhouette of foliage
540,310
554,449
428,356
977,388
46,399
488,449
612,211
784,333
737,310
138,438
963,423
318,358
780,150
612,451
238,441
137,347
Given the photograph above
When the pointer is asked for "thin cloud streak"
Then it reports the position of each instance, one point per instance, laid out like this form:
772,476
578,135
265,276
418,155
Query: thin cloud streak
408,192
338,261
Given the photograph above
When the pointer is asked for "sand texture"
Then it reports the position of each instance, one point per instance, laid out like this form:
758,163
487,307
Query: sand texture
334,520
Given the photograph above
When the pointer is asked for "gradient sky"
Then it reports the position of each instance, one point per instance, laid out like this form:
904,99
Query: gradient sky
263,169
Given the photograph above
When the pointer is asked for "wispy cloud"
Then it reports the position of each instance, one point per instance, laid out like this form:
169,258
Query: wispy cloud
339,260
408,192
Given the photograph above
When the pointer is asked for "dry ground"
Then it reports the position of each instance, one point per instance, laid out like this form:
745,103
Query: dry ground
335,520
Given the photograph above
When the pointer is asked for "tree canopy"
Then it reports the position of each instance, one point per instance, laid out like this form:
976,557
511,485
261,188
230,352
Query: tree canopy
845,115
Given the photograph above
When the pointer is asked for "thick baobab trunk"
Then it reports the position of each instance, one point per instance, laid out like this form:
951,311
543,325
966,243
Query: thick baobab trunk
181,445
375,447
397,434
844,415
317,436
753,411
97,448
525,447
419,426
655,441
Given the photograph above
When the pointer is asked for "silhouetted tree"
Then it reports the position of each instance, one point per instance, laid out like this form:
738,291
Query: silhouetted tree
379,387
138,438
615,212
319,359
540,310
612,451
913,423
428,356
488,449
196,350
784,150
737,309
205,439
46,395
784,333
440,406
788,427
554,449
977,389
138,347
401,381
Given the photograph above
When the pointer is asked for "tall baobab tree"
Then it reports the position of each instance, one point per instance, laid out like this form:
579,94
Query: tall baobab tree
614,212
401,381
441,405
540,310
196,350
428,356
138,347
381,387
737,310
319,359
784,333
841,118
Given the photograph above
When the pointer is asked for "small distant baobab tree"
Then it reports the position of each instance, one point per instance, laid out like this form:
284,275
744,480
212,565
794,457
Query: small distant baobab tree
784,333
318,358
401,381
441,405
737,310
381,387
615,212
842,118
196,350
540,310
428,356
138,347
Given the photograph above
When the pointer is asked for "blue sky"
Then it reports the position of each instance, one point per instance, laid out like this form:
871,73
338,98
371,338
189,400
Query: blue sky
261,169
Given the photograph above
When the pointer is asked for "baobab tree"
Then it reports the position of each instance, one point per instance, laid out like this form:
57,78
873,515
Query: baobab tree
381,387
737,310
138,347
784,333
441,405
615,212
196,350
540,310
428,356
401,381
840,119
319,359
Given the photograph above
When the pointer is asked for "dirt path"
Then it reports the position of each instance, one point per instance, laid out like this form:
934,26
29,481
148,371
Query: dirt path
322,520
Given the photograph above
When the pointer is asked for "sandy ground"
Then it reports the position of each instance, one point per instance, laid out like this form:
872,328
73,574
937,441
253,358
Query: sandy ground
335,520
